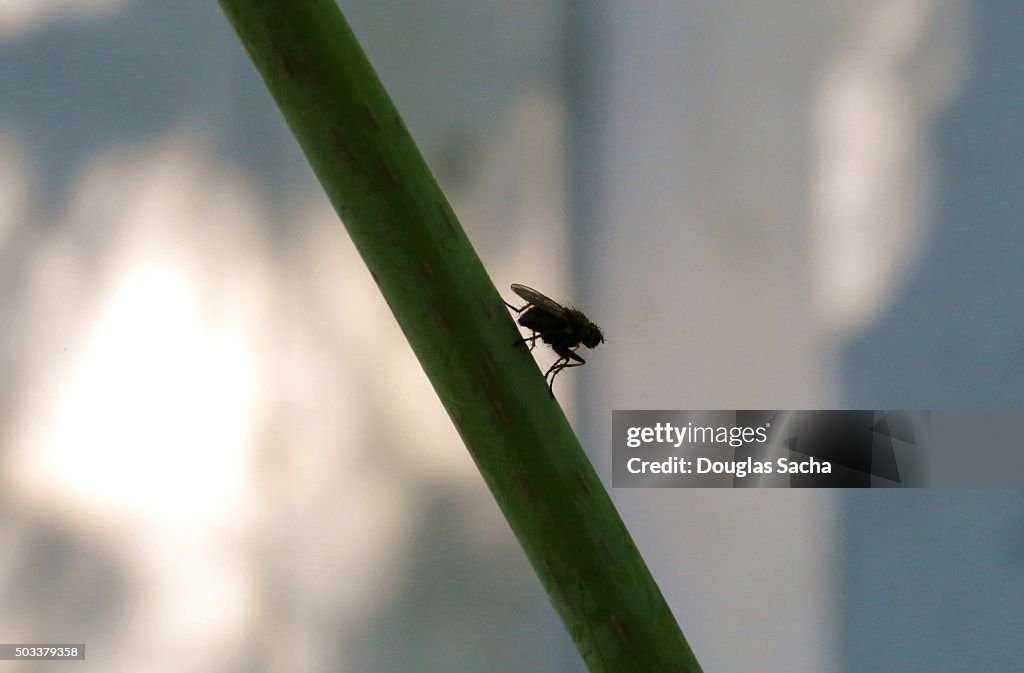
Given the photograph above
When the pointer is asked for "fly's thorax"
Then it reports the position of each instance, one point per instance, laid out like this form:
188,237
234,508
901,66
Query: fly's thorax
582,330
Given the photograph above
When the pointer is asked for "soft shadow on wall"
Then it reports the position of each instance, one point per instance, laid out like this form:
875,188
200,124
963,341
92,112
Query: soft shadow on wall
930,579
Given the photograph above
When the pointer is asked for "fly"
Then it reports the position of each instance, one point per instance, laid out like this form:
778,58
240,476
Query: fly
564,328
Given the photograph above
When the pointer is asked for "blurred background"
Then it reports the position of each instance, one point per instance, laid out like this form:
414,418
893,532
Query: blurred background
217,452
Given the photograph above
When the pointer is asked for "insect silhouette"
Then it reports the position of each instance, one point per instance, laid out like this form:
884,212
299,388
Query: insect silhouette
564,328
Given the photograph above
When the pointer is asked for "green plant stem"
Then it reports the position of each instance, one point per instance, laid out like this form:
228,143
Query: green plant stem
462,333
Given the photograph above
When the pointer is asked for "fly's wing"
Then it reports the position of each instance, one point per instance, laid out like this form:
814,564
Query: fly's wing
539,300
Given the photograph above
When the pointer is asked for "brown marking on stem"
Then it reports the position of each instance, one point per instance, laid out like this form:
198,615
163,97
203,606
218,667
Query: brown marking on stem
440,319
620,630
340,147
499,408
556,581
447,219
583,481
428,269
489,364
371,114
285,62
522,487
390,172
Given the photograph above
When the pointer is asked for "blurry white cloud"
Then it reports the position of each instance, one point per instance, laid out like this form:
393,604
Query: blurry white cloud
871,192
136,411
148,407
158,404
214,410
18,17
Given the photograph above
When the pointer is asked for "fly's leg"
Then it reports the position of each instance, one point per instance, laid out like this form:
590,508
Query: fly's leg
561,363
557,367
532,340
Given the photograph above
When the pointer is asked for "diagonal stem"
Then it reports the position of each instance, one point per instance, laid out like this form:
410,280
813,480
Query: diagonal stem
459,328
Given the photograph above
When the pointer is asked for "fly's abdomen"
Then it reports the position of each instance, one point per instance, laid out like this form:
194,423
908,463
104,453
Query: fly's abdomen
539,321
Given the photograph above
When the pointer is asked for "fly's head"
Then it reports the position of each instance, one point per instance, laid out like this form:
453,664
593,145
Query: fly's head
592,336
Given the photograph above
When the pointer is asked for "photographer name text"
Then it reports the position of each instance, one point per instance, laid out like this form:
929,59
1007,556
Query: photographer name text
737,468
